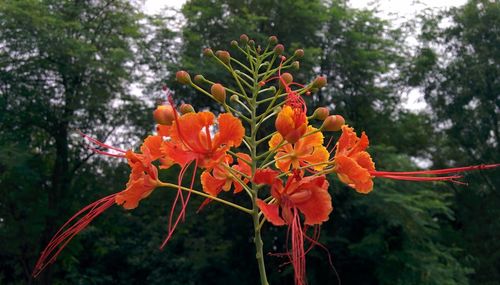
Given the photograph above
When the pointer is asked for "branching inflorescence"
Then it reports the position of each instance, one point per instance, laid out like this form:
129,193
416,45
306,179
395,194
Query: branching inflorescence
286,182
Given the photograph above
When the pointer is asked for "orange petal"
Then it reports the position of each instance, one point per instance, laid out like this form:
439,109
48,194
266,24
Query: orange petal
271,212
136,190
153,143
210,184
275,140
163,130
359,177
319,155
318,207
364,160
284,121
310,140
231,131
265,176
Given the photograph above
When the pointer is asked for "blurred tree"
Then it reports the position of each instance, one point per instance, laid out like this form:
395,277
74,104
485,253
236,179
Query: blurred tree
458,67
64,65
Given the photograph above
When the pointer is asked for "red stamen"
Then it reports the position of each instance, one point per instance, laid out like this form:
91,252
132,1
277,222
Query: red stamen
99,143
184,203
438,171
65,235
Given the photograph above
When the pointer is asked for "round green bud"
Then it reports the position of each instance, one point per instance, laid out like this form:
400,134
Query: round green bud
219,92
186,108
278,49
183,77
296,65
208,52
298,53
333,123
273,40
321,113
244,39
223,55
199,79
319,82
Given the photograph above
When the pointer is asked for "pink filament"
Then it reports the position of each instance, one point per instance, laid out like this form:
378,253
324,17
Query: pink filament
66,233
415,175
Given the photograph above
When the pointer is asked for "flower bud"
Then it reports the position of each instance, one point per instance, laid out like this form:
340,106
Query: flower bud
223,55
273,40
234,43
199,79
233,98
279,48
219,92
333,123
298,53
208,52
319,82
186,108
287,77
183,77
321,113
164,115
244,39
296,65
251,43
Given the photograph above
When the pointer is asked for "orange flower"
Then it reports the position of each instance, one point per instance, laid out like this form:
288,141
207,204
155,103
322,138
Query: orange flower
191,139
308,150
291,123
144,176
308,194
352,163
222,179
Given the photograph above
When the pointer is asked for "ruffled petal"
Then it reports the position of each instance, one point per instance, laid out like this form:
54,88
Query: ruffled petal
319,155
210,184
153,143
318,207
353,174
231,131
271,212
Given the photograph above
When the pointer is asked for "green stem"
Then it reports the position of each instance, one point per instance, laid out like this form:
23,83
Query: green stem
238,207
259,253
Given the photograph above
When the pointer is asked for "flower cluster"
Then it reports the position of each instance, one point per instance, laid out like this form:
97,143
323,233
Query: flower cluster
283,172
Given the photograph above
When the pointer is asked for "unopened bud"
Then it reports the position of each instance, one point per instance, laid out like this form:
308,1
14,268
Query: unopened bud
208,52
223,55
298,53
244,39
321,113
251,43
186,108
287,77
313,90
319,82
183,77
333,123
219,92
273,40
164,115
234,43
199,79
233,98
279,48
296,65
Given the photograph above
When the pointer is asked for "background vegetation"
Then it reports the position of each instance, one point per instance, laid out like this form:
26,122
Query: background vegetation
68,65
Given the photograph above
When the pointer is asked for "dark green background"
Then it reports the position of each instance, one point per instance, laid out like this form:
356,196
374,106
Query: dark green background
68,66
